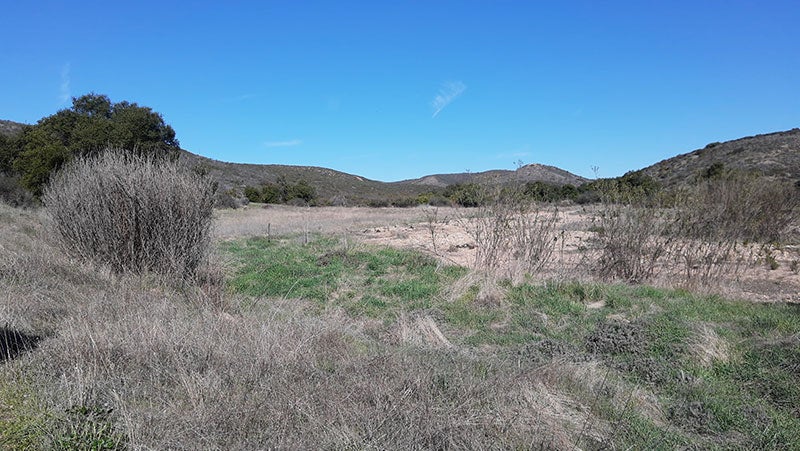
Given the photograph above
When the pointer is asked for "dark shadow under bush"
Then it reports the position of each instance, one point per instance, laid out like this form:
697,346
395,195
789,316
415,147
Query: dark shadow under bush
14,343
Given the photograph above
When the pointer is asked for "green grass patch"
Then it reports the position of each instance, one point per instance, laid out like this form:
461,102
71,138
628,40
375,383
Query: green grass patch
746,394
369,281
23,419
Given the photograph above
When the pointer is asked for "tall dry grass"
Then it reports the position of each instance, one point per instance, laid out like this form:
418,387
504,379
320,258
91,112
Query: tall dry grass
127,361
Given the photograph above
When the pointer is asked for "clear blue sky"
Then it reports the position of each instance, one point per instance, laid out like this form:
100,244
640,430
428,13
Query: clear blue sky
399,89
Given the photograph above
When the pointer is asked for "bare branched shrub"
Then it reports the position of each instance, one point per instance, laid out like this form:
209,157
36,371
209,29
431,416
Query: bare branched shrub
705,262
631,241
514,234
740,207
432,223
715,220
703,228
534,238
132,213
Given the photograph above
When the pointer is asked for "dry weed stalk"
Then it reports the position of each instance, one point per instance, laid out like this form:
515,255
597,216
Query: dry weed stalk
631,242
513,236
432,221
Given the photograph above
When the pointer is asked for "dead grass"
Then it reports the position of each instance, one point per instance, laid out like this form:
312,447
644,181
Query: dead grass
127,360
707,347
130,360
257,220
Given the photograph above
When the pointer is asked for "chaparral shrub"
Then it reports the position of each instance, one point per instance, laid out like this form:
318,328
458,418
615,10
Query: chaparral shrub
133,213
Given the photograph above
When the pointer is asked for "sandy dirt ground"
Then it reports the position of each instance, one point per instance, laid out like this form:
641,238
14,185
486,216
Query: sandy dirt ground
444,232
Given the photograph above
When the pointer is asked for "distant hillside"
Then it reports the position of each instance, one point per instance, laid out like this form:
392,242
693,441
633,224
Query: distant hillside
329,184
774,154
527,173
352,189
10,128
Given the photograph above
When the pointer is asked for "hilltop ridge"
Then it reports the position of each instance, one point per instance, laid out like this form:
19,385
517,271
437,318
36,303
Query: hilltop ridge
774,155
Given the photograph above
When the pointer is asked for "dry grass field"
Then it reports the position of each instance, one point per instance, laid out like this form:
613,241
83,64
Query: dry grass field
382,329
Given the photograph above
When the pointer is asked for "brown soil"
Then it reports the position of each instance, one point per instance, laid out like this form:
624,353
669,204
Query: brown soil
444,233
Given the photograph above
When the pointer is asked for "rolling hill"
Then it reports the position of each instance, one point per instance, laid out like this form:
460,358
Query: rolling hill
351,189
527,173
330,184
774,155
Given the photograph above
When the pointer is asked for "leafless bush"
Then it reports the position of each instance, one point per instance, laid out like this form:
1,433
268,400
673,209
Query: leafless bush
704,231
534,238
631,241
132,213
745,208
513,233
432,221
704,263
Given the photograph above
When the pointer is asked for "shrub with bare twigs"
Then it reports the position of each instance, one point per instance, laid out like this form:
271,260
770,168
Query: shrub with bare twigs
513,233
706,229
132,213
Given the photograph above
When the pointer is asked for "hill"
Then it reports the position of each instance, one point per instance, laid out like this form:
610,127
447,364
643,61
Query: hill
353,189
349,189
333,185
774,155
10,128
527,173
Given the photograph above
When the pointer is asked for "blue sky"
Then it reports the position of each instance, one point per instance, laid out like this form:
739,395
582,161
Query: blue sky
392,90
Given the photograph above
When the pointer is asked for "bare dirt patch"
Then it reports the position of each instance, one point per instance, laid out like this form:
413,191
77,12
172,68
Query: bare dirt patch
445,234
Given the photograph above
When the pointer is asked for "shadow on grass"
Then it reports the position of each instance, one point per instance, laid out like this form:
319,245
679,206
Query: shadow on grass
13,343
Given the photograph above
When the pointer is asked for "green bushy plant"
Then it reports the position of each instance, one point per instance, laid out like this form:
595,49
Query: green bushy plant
466,194
87,128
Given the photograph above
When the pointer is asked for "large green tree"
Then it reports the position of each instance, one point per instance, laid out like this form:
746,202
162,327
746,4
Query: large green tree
92,124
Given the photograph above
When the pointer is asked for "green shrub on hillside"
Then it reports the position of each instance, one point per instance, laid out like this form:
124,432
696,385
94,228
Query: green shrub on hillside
466,194
548,192
88,127
282,193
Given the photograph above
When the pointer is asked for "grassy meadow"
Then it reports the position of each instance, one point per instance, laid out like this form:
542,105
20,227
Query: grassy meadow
320,341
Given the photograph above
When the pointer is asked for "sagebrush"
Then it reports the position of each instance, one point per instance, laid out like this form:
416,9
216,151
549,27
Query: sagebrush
133,213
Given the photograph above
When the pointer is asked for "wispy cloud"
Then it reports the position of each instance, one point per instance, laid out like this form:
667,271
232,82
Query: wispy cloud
241,97
449,92
289,143
65,94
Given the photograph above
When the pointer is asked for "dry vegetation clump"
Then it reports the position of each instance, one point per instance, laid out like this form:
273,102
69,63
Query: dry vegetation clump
631,241
132,213
706,346
126,362
513,235
699,235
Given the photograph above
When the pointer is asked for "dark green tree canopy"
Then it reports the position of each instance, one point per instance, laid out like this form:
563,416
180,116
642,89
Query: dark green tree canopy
92,124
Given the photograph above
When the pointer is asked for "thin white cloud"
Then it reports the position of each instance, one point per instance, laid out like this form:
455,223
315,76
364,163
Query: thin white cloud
65,94
289,143
449,92
240,98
